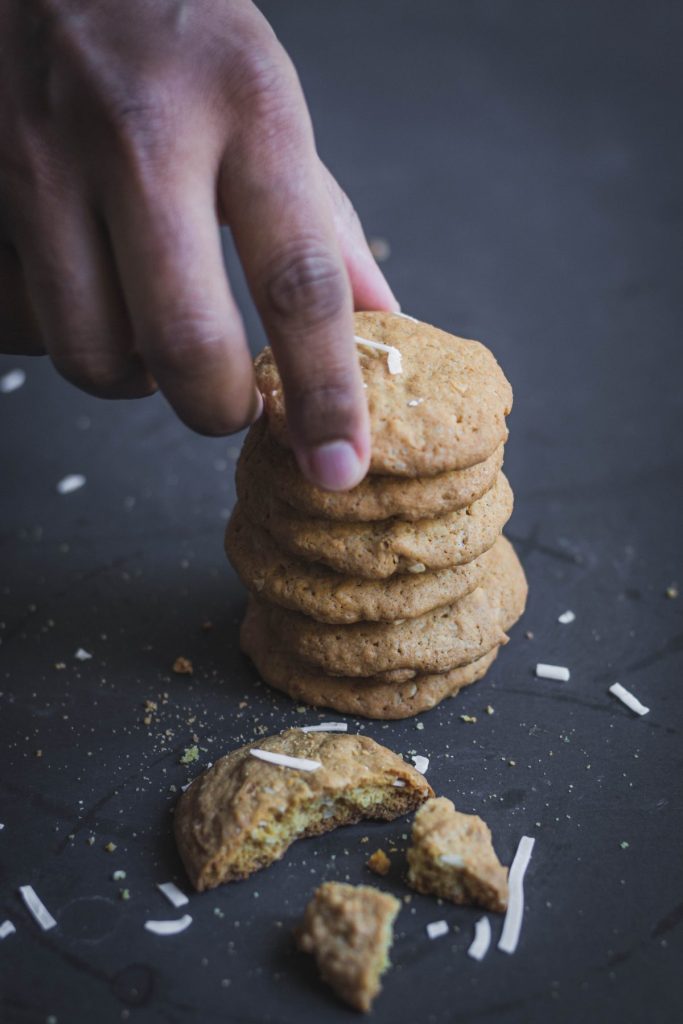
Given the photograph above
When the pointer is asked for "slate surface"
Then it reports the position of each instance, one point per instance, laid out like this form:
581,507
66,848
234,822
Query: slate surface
524,162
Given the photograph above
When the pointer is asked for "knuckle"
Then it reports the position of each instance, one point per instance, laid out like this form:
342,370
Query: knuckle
306,285
185,346
97,373
323,402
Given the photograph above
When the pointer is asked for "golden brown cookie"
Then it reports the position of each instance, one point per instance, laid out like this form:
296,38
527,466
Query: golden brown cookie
273,468
377,550
349,931
351,696
446,410
444,638
244,813
326,595
451,856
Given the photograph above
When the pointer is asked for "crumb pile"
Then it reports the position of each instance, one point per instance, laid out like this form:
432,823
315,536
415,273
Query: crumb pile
383,600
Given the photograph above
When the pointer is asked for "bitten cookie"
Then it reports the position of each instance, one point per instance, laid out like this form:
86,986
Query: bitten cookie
446,410
377,550
451,856
244,812
349,931
444,638
326,595
273,468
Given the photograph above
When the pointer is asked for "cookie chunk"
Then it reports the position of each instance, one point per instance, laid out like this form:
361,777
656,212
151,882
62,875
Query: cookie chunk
446,410
323,594
451,856
352,696
376,550
349,931
444,638
274,468
244,813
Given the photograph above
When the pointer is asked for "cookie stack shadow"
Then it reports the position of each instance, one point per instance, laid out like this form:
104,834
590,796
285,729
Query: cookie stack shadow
386,599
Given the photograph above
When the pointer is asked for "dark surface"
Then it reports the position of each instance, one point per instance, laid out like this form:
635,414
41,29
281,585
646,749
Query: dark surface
524,162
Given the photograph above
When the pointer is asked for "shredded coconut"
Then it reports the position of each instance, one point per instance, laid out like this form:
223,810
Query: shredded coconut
326,727
421,763
628,699
285,761
482,939
6,928
71,483
173,894
558,672
169,927
512,925
82,655
394,360
435,929
12,381
566,617
37,909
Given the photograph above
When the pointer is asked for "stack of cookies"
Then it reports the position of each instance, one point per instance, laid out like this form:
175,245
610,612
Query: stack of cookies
384,600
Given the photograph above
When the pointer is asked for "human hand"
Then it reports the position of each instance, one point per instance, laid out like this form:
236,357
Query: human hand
129,130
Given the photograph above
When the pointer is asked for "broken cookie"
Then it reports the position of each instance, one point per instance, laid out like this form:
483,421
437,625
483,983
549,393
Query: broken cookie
244,812
349,931
451,856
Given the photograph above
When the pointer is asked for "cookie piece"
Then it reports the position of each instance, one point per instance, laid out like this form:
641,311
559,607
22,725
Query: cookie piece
444,638
326,595
446,409
377,550
244,813
351,696
349,931
272,467
451,856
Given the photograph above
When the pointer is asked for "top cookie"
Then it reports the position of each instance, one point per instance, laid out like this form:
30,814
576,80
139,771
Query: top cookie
446,410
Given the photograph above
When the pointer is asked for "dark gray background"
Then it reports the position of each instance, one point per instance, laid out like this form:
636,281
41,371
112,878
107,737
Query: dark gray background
524,162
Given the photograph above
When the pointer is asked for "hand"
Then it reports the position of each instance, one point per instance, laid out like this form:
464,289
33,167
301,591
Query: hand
129,130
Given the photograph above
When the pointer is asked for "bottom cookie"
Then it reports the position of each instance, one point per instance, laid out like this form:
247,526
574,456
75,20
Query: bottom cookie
351,696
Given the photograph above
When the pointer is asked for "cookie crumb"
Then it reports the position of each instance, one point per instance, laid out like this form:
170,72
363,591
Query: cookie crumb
183,666
489,709
110,847
380,249
469,719
379,863
672,591
190,755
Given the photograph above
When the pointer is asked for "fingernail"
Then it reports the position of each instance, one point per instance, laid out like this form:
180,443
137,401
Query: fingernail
258,407
334,466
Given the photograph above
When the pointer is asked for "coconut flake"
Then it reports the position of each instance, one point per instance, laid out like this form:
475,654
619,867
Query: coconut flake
399,783
285,761
37,909
70,483
628,699
435,929
512,925
12,381
566,617
453,860
406,317
6,928
394,360
169,927
552,672
173,894
82,655
326,727
1,826
415,402
482,939
421,763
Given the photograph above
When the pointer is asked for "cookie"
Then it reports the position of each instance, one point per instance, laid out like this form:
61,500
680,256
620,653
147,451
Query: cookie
320,592
444,638
446,410
349,931
244,813
273,467
451,856
376,550
351,696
